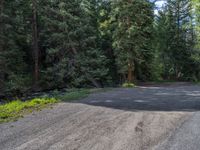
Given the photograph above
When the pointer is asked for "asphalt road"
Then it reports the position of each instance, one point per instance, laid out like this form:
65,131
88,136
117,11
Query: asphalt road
157,117
172,97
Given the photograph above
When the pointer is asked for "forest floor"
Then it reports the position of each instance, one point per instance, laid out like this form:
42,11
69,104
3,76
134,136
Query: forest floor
143,118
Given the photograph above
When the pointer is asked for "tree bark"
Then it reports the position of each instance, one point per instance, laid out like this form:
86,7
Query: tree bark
35,42
130,64
130,71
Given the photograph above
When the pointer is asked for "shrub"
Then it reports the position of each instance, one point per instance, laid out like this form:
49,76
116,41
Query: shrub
128,85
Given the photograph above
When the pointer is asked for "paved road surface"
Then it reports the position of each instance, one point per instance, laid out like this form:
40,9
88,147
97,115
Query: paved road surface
143,118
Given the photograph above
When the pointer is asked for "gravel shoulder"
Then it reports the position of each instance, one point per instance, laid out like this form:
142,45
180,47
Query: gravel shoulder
186,137
113,120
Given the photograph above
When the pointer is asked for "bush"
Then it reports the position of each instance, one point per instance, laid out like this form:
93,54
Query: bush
128,85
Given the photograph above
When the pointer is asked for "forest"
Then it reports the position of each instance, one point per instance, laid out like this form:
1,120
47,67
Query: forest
54,44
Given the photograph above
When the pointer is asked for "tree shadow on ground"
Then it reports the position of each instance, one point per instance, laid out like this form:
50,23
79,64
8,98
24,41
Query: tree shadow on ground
151,98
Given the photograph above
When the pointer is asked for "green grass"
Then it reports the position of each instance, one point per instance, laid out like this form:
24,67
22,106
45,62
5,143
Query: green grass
13,110
74,94
77,94
16,109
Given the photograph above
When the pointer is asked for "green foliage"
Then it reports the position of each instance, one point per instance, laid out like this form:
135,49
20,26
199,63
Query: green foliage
133,23
87,43
13,110
73,95
13,44
196,13
73,55
18,83
175,41
128,85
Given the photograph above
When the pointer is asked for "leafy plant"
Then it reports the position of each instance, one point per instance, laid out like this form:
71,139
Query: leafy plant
128,85
16,109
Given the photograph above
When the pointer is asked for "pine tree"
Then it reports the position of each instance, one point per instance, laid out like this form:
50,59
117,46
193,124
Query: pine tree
1,47
133,22
164,41
195,57
35,41
81,43
13,45
196,6
72,51
106,32
176,39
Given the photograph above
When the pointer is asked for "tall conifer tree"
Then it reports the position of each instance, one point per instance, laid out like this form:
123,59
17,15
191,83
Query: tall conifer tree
133,21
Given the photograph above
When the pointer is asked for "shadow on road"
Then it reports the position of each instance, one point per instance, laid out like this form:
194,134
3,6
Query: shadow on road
149,98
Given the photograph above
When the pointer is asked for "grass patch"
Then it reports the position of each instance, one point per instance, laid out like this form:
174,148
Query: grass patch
77,94
16,109
73,95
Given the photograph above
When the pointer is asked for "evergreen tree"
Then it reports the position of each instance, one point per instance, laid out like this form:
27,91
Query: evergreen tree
81,43
196,14
133,22
35,40
1,47
106,31
176,39
73,56
13,44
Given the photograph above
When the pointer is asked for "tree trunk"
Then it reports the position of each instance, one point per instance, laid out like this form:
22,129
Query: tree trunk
130,72
35,42
130,64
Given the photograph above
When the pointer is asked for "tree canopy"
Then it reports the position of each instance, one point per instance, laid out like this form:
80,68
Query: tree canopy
95,43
